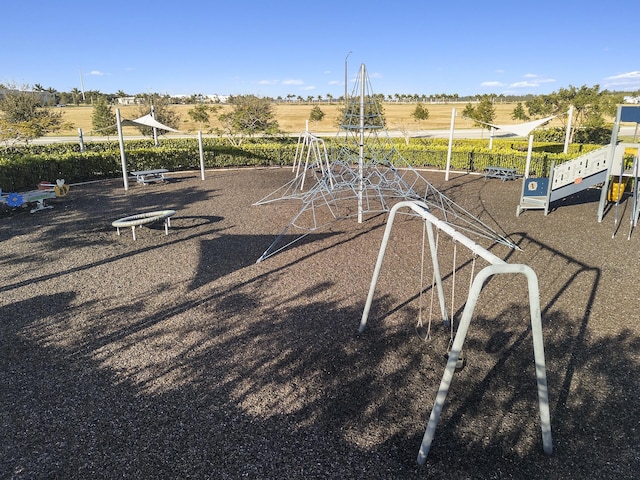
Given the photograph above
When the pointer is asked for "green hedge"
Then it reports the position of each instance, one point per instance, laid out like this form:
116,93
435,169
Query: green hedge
475,155
25,169
102,159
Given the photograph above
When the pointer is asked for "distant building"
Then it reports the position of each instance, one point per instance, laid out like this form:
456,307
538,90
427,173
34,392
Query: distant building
218,98
127,100
629,99
46,98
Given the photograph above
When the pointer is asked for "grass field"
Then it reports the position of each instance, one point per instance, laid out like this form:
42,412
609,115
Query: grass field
292,118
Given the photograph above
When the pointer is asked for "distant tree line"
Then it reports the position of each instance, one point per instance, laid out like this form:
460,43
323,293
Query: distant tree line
590,107
26,114
89,97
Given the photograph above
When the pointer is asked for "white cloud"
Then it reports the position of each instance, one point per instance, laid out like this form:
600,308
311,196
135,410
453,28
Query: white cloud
627,80
308,87
96,73
492,84
292,82
524,84
538,78
532,81
634,75
268,82
375,75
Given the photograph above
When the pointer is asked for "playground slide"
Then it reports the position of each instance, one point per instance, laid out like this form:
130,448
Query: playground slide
566,179
572,177
580,173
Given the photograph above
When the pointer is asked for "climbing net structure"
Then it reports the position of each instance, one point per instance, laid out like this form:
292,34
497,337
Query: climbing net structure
362,173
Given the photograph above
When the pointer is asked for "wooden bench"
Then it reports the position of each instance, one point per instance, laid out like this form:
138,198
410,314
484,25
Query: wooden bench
148,176
502,173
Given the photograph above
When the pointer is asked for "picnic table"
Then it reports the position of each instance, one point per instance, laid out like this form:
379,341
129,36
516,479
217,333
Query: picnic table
502,173
148,176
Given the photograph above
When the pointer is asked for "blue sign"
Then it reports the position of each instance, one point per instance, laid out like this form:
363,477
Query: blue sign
536,187
630,114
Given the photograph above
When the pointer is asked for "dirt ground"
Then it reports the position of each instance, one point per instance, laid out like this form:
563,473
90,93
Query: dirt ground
179,356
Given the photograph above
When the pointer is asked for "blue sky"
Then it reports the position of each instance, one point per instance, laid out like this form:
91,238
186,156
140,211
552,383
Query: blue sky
286,47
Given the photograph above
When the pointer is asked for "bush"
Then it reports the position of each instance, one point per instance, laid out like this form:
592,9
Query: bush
584,135
23,170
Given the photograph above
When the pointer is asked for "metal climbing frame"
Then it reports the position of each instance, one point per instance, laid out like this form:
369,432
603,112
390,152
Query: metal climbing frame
496,266
363,167
309,144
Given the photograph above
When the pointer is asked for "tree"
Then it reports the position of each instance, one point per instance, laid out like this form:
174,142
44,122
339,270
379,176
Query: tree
469,111
200,113
93,95
103,118
24,117
373,112
76,94
420,113
196,98
162,112
483,113
249,116
589,104
316,114
519,113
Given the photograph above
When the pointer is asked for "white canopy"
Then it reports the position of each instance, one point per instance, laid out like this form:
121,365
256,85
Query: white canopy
148,121
522,129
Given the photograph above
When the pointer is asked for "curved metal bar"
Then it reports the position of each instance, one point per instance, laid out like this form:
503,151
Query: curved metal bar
134,221
422,209
496,266
538,349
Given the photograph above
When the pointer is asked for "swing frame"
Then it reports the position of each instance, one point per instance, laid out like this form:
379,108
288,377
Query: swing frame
496,266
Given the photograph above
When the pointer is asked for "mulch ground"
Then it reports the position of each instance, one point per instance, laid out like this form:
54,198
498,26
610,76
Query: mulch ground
179,356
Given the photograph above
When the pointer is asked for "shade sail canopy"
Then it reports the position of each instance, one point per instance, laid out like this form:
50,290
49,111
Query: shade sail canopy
522,129
148,121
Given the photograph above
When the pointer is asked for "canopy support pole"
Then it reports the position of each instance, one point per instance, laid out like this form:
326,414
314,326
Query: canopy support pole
201,150
123,158
453,123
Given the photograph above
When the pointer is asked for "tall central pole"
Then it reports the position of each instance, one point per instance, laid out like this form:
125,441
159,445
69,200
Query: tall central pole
361,153
345,77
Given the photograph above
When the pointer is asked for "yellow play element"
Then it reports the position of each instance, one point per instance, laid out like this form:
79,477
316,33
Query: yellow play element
616,189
